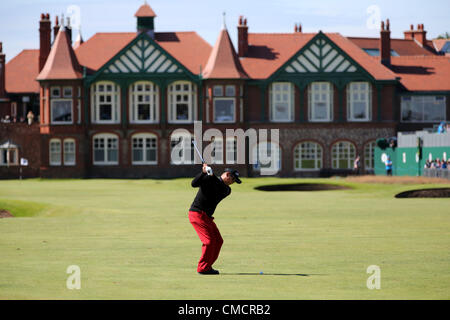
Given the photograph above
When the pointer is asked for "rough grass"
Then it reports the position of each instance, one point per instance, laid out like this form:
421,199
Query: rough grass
132,240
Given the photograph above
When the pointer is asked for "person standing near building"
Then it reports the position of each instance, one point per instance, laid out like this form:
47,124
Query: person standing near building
212,190
30,117
388,164
357,165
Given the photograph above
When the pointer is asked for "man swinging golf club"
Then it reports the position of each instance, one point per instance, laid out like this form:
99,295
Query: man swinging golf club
212,190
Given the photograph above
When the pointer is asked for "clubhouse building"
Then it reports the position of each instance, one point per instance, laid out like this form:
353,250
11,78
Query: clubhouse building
108,106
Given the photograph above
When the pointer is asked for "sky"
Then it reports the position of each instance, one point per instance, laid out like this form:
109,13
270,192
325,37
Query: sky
19,19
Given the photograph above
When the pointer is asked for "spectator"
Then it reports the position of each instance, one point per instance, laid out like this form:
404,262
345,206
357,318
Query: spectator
388,164
427,164
443,164
30,117
442,127
357,165
7,119
437,163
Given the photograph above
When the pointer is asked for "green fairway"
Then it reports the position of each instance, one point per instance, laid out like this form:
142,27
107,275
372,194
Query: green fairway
132,240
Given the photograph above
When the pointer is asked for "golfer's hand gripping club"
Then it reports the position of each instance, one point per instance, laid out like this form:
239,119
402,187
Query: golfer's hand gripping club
207,169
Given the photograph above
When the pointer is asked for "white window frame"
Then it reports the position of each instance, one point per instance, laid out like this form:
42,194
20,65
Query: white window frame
227,94
144,137
188,159
422,98
369,155
66,152
301,149
9,151
64,95
312,92
265,146
214,109
105,137
54,153
191,102
52,101
153,96
354,88
277,90
114,95
55,95
231,150
336,153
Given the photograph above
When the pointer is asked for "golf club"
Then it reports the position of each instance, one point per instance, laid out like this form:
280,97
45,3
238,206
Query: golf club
208,168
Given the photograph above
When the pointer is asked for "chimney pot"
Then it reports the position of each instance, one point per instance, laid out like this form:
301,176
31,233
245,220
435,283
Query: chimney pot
42,16
388,25
1,47
382,25
299,27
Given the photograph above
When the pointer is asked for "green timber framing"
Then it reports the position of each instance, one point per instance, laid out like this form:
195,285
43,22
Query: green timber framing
141,73
340,79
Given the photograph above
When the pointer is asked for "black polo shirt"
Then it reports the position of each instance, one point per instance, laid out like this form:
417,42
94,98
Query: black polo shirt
211,191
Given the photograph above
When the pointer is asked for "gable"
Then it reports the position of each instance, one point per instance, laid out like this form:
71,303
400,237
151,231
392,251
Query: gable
321,55
142,55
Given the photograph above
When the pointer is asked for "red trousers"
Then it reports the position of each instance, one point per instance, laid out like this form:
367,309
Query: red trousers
209,236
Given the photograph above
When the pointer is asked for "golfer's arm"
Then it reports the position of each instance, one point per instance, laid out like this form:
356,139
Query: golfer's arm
196,182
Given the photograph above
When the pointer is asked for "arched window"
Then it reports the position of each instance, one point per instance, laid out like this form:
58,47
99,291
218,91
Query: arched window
369,155
105,102
182,97
69,152
308,156
106,149
359,101
181,149
343,153
55,152
281,101
320,101
144,102
144,149
9,154
266,158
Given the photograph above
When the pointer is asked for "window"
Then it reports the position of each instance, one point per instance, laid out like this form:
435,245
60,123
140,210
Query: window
106,149
224,109
55,92
69,152
359,101
218,91
308,156
217,152
343,153
67,92
423,108
266,157
231,151
376,52
182,102
61,111
145,149
369,153
230,91
182,151
144,99
281,101
55,152
320,101
9,154
105,102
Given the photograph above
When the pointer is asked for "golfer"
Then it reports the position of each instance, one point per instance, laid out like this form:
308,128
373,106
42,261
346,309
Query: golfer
212,190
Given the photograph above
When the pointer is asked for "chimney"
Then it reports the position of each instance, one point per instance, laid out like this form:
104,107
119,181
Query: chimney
2,73
242,37
295,28
69,31
44,39
56,28
385,43
420,35
409,35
